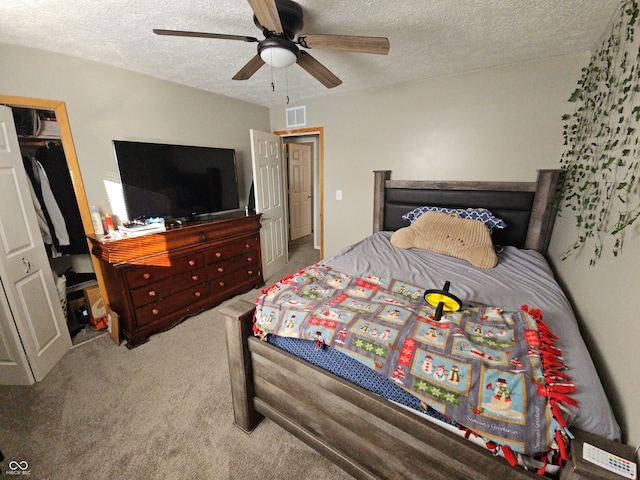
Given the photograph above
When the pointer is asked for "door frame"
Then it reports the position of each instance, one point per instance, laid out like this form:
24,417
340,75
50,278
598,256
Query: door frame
69,148
319,133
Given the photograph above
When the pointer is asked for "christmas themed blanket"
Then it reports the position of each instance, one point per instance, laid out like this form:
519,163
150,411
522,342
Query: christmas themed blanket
491,370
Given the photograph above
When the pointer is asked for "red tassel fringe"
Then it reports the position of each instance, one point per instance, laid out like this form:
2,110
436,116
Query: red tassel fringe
557,384
509,455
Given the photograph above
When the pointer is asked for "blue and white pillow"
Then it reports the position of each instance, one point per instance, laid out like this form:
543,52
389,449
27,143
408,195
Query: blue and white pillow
482,214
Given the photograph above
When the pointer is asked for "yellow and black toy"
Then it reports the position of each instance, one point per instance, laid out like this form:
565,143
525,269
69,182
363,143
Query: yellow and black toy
442,300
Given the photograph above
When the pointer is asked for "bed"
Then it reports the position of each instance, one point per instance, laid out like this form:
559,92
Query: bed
373,437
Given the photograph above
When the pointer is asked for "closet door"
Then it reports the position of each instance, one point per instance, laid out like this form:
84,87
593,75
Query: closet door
37,324
14,366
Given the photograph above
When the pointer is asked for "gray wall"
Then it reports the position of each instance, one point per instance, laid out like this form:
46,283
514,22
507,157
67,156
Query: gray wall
495,124
105,103
500,124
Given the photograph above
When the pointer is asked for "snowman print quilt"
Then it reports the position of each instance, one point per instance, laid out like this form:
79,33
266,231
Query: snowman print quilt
493,371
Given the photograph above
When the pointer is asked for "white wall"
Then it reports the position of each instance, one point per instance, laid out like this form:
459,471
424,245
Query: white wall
105,103
497,124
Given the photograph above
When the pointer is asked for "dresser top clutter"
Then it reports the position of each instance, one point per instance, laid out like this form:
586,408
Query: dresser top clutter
176,235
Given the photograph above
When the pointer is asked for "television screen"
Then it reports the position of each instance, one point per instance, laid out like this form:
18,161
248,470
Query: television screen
176,181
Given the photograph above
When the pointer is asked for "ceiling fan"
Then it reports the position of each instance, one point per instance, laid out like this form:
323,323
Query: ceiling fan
281,22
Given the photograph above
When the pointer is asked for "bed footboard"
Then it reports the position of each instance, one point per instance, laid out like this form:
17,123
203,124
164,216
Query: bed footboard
367,436
238,317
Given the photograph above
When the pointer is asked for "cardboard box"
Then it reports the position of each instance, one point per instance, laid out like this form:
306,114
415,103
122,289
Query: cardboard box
94,302
113,327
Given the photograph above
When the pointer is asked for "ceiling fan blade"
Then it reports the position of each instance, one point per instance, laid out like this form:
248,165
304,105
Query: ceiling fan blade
346,43
222,36
318,71
266,11
249,69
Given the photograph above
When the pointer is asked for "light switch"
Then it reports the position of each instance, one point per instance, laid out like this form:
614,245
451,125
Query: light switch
338,194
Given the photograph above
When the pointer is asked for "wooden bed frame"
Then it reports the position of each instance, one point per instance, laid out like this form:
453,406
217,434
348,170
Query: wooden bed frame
370,437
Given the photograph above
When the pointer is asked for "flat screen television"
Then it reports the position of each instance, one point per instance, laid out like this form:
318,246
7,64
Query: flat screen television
176,181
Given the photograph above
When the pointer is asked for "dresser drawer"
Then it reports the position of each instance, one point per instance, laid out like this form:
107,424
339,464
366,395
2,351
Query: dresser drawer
167,287
178,301
231,280
228,250
219,269
164,266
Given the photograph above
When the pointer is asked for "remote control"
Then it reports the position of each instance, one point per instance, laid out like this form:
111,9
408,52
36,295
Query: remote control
609,461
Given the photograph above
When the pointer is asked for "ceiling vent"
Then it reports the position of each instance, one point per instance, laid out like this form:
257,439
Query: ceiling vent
296,116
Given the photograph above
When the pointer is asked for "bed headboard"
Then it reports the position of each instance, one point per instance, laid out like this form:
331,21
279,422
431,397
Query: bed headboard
526,207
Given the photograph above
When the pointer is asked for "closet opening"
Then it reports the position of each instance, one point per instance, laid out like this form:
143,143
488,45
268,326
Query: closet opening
55,198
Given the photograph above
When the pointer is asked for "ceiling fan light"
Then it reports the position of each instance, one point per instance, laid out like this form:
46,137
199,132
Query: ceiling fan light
278,53
278,57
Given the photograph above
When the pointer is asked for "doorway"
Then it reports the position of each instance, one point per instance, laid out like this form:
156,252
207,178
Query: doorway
299,158
315,137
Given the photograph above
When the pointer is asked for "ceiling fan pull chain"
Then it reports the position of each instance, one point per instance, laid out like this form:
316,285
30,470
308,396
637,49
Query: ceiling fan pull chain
286,76
273,85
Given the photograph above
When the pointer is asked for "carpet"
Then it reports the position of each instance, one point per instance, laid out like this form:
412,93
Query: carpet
160,411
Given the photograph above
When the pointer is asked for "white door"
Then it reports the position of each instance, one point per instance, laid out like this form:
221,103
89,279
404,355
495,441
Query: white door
268,178
14,366
300,198
35,322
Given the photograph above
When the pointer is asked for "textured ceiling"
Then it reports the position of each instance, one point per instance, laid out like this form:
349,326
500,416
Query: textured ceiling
429,38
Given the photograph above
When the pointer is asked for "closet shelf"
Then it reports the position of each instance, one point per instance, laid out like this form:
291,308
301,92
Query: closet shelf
79,281
37,141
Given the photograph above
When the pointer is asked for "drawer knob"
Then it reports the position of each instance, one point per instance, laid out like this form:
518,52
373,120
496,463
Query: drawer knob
152,293
218,254
198,294
220,269
249,259
146,276
247,245
192,263
155,311
194,278
221,284
250,272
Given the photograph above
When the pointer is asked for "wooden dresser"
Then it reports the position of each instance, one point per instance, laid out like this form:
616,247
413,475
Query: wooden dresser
157,280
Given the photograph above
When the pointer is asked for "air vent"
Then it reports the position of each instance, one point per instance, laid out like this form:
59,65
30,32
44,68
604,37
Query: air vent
296,116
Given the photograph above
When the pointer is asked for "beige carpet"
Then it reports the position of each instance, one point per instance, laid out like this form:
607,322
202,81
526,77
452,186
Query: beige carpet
159,411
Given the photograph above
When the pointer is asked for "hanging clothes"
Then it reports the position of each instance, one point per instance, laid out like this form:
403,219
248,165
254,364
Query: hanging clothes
54,162
50,203
45,231
44,221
